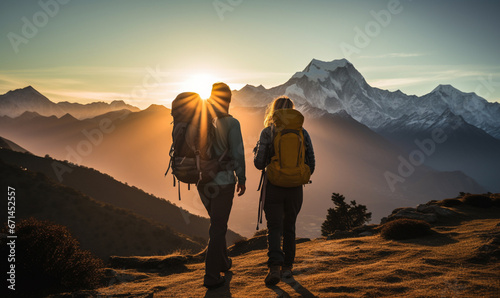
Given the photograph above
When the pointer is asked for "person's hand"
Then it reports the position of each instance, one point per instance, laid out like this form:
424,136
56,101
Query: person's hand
240,189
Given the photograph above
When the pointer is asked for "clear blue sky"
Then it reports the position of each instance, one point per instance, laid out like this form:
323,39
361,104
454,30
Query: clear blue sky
148,51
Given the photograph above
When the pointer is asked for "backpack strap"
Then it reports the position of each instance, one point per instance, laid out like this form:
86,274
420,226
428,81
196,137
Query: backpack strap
179,189
169,166
273,131
279,149
271,144
300,149
223,154
198,164
262,197
171,154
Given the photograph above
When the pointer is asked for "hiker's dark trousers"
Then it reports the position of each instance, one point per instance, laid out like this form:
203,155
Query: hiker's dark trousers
282,206
218,200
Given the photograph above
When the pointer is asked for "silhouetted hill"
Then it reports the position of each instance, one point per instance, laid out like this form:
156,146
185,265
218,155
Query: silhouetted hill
103,229
106,189
8,144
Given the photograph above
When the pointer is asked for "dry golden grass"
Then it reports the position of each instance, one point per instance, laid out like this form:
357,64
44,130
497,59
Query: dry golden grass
437,265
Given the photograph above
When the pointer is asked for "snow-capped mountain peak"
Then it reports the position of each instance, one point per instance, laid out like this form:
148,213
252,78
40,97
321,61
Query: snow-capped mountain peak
318,70
24,96
445,88
337,85
328,66
455,98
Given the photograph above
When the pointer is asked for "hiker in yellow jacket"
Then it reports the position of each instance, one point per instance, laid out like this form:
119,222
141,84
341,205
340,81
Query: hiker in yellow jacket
285,150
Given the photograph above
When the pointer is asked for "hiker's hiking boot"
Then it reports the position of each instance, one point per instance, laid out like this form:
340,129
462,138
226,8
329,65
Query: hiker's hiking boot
220,282
286,272
274,276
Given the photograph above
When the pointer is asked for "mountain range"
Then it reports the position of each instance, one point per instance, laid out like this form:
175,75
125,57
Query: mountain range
16,102
366,146
470,123
69,200
102,228
352,160
337,85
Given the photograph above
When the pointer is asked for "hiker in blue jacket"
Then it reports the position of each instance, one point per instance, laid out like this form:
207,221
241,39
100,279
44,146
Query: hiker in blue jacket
281,204
217,195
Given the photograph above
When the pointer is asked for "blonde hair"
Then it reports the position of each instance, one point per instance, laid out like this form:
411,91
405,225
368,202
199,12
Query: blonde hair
282,102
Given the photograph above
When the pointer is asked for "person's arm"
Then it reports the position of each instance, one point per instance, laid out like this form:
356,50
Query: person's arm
237,153
310,159
261,150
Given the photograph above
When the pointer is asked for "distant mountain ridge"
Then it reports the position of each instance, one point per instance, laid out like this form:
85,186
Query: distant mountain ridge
471,125
105,189
337,85
15,103
352,160
102,228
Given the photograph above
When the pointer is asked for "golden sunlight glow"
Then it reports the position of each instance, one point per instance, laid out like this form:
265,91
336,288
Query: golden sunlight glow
200,83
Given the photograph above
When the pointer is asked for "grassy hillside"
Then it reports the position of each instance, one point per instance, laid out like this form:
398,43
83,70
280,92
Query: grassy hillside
101,228
106,189
459,258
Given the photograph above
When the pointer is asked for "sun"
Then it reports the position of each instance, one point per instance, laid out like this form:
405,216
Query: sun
200,83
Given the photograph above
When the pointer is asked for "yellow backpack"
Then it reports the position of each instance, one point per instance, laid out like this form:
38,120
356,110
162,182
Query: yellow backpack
288,167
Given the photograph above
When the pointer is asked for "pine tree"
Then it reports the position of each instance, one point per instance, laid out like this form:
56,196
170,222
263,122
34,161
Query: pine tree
344,217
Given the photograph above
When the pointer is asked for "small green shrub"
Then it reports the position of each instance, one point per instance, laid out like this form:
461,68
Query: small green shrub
481,201
405,228
451,202
49,260
344,216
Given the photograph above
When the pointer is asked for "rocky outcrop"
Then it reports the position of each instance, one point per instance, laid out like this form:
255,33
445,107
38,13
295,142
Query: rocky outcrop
426,212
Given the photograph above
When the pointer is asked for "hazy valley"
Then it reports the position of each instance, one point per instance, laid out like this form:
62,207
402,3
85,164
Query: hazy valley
383,160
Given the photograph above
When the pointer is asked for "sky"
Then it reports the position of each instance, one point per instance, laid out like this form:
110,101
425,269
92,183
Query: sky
146,52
